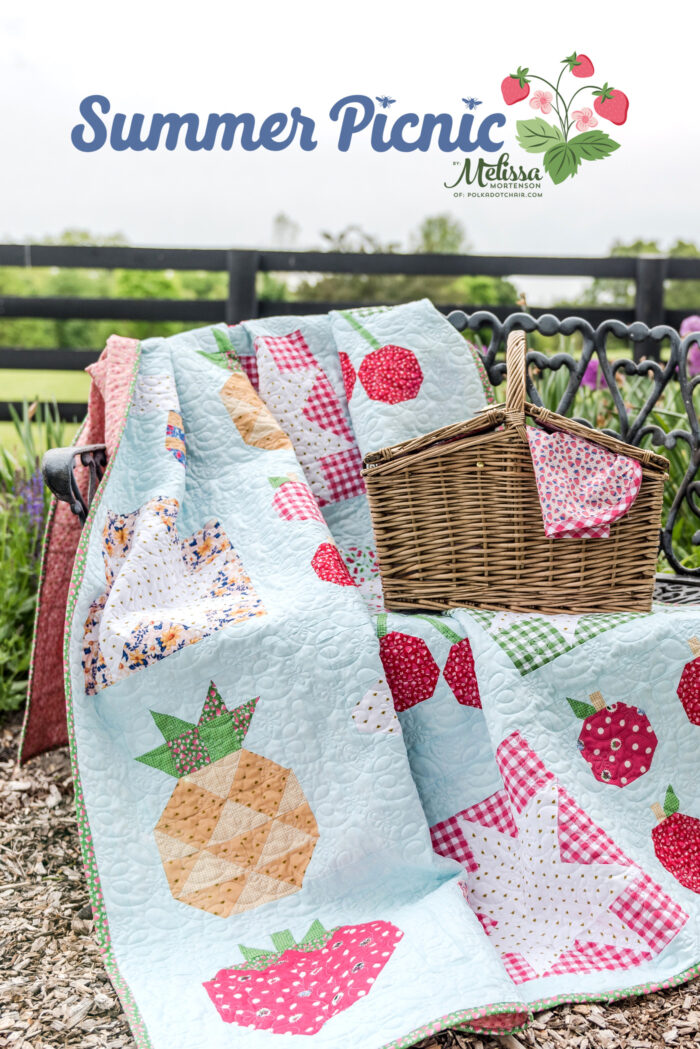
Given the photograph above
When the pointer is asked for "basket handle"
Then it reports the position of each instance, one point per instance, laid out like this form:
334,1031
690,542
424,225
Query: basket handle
516,380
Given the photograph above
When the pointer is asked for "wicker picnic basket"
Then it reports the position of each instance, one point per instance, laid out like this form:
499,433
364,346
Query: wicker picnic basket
457,519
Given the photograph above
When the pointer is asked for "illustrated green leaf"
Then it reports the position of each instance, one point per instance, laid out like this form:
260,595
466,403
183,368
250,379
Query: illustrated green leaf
561,161
283,941
537,136
315,932
161,758
215,358
593,145
581,710
170,726
222,341
671,802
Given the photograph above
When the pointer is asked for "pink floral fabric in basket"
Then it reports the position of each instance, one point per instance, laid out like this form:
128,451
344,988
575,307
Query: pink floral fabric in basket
582,487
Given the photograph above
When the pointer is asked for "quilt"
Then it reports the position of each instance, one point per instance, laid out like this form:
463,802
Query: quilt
306,820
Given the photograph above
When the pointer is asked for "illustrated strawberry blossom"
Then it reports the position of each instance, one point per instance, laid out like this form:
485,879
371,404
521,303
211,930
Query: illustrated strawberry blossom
562,151
584,119
542,100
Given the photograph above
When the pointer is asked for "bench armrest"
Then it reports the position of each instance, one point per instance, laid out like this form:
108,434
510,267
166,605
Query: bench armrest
57,468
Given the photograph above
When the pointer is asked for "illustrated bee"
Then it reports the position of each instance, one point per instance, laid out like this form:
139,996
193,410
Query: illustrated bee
384,101
471,103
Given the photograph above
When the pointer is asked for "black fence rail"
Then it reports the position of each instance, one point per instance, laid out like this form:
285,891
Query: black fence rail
649,274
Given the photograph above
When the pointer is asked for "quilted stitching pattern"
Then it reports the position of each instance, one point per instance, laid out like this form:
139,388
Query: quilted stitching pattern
482,773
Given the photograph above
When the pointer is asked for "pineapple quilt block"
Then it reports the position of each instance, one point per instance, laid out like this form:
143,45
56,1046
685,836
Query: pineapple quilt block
412,822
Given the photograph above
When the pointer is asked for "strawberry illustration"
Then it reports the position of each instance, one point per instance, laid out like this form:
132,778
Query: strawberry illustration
298,987
515,87
390,374
617,741
349,375
676,840
293,500
689,685
459,671
329,565
611,104
410,669
579,65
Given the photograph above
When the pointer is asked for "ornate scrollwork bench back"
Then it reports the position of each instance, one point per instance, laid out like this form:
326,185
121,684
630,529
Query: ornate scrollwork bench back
633,424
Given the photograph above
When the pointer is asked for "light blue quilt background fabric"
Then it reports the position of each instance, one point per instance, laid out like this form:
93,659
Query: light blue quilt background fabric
310,658
473,771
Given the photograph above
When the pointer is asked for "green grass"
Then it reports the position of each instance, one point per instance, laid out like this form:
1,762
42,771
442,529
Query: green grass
10,440
18,384
32,385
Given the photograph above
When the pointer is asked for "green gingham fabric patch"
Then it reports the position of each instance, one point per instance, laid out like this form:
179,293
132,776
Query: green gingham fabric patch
532,641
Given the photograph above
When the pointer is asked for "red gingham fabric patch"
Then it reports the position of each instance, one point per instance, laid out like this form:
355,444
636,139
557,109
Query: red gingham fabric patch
288,351
518,968
323,408
650,912
494,811
487,923
342,473
592,957
581,840
448,840
250,367
522,771
294,501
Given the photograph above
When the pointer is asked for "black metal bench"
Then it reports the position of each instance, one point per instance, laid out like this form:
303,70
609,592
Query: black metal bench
633,427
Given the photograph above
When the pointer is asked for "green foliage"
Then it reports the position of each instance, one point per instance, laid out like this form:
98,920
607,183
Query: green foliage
678,294
23,504
439,234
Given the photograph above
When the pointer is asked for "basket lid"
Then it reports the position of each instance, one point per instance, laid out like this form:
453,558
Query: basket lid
512,415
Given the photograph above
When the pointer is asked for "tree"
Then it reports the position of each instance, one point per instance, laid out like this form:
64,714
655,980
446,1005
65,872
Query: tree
679,294
439,234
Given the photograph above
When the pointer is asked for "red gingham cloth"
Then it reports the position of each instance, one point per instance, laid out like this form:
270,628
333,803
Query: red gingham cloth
250,367
518,968
448,840
288,351
323,408
294,501
649,912
592,957
582,487
448,837
342,471
522,771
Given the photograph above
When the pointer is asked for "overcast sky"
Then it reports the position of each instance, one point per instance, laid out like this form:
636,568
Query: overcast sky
149,56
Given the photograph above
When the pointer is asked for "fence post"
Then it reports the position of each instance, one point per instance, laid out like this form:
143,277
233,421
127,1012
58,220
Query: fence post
649,301
242,301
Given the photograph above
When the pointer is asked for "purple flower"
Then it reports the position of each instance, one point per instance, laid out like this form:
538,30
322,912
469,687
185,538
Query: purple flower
690,324
593,376
693,362
31,492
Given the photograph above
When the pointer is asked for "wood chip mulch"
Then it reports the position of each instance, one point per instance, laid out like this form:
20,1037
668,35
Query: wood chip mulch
54,992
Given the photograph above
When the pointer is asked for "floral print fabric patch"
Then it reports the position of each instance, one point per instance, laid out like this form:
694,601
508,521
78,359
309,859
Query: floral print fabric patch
162,592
